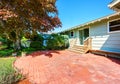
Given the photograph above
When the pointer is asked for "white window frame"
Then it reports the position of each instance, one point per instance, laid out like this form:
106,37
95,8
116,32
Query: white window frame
108,27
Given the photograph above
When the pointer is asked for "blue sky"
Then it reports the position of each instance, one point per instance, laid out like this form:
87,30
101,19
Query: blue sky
76,12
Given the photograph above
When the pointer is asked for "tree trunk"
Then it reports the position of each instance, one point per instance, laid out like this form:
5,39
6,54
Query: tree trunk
17,45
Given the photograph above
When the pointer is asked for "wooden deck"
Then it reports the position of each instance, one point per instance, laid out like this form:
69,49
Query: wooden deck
106,53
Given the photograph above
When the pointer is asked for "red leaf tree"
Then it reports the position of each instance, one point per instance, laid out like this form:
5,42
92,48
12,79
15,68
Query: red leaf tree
18,17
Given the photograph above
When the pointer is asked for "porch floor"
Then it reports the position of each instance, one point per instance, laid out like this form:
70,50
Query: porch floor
65,67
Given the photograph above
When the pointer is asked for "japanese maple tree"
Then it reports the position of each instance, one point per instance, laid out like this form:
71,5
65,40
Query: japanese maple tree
18,17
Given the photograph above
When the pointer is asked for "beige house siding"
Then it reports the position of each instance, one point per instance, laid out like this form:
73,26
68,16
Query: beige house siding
98,31
75,39
102,40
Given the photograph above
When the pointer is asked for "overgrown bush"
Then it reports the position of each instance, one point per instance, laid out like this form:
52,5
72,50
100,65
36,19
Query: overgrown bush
28,50
3,46
6,52
36,45
6,42
57,42
3,40
37,42
37,37
7,73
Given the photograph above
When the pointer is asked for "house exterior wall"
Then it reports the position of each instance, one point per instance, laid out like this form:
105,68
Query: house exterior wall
102,40
75,39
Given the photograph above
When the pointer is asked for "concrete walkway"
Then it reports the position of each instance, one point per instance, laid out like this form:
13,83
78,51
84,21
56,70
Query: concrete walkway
65,67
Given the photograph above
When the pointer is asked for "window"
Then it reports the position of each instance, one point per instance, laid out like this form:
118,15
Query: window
72,34
114,26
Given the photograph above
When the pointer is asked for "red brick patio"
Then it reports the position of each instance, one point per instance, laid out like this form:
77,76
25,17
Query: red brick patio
65,67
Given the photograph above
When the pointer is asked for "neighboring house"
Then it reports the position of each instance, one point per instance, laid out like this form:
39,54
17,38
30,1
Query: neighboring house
102,34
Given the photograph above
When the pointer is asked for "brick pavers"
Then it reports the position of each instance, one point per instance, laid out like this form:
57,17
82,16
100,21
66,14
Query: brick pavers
65,67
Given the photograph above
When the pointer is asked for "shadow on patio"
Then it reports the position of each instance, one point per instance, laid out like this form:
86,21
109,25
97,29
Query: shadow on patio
46,53
116,60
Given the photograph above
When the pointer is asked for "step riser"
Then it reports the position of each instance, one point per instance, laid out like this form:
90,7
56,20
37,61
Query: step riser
78,49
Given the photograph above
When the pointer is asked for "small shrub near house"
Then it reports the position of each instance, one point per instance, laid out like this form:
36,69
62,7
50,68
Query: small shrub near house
66,41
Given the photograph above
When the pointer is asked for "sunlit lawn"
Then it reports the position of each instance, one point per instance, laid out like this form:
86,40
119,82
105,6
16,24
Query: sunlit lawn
7,62
7,73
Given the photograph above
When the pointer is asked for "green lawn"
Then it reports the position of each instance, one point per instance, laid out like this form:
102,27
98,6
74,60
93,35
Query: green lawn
7,73
6,62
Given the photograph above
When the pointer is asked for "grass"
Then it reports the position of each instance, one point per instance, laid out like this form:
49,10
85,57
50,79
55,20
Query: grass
7,73
7,61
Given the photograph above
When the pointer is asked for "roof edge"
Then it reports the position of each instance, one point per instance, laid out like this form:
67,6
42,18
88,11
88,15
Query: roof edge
91,22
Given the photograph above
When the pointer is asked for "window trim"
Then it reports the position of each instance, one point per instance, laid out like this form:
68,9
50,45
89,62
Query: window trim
108,27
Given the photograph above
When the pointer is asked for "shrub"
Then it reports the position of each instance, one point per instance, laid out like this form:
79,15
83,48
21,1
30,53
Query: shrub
66,41
6,42
6,52
56,41
37,37
3,40
3,46
37,42
7,73
29,50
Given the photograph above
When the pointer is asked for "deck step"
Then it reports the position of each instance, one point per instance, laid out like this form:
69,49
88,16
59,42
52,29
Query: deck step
77,49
